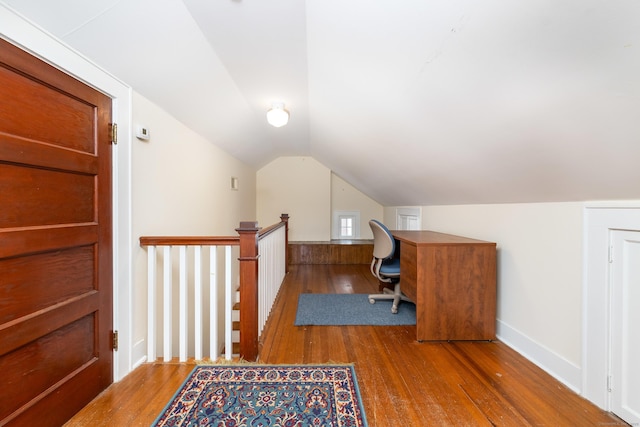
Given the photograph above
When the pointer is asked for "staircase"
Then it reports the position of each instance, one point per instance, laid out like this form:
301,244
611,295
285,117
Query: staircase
259,282
235,318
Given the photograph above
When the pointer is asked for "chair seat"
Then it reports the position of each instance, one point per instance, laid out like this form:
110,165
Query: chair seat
390,267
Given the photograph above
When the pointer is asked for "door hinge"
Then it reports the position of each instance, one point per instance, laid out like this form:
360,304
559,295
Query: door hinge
114,132
115,340
609,384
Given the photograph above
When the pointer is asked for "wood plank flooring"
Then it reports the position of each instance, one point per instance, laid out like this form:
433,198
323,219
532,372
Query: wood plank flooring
402,382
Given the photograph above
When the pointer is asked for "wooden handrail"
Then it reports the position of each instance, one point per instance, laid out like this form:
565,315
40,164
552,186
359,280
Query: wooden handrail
210,240
284,218
189,240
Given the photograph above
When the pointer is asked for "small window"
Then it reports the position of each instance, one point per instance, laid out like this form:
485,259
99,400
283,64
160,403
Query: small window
346,225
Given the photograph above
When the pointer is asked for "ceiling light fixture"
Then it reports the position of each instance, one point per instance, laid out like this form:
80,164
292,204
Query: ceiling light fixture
277,116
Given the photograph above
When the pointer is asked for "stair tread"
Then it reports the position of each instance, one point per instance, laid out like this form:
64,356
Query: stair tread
235,349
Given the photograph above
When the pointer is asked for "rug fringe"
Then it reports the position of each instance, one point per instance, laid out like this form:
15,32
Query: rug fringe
242,362
223,361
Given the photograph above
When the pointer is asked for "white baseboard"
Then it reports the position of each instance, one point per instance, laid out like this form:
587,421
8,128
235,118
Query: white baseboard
139,354
556,366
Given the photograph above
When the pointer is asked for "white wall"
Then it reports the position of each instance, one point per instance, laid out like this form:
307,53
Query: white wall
300,187
345,197
181,186
539,275
182,182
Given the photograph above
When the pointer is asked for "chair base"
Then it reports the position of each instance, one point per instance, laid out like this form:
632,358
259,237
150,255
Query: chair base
388,294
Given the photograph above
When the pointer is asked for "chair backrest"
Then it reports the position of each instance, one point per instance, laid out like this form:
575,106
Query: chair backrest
384,245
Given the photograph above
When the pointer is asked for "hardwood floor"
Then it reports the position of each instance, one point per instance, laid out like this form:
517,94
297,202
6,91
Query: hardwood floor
402,382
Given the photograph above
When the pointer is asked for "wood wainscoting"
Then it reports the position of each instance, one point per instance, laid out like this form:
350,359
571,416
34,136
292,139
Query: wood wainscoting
331,252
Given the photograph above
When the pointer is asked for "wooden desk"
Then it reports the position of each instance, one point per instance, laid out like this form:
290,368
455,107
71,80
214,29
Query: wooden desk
452,280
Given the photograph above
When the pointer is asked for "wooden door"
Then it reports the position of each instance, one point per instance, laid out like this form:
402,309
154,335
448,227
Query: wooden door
624,379
55,242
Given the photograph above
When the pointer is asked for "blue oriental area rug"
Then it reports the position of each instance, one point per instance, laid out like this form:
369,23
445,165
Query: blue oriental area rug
267,395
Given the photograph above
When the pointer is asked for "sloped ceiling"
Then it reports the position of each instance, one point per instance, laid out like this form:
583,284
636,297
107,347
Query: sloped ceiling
414,102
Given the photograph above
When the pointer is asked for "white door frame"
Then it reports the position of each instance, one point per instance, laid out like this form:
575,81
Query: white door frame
19,31
410,211
599,218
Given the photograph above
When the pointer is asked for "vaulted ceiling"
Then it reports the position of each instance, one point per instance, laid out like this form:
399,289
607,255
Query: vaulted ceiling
414,102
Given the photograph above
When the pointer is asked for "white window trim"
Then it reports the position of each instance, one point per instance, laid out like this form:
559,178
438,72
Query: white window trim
335,224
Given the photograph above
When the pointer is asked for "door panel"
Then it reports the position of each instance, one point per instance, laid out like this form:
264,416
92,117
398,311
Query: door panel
625,326
55,242
42,280
54,117
45,197
72,339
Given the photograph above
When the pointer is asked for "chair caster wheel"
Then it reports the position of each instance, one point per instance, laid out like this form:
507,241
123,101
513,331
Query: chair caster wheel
394,310
372,301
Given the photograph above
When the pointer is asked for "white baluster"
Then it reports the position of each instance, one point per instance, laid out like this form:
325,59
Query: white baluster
151,304
213,303
183,304
197,303
228,307
166,311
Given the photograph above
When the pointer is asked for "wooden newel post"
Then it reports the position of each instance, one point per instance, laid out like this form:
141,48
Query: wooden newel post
285,218
248,232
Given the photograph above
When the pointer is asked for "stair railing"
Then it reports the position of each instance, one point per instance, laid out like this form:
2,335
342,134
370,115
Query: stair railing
261,265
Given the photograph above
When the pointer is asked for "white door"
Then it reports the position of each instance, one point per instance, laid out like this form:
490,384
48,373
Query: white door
408,219
624,384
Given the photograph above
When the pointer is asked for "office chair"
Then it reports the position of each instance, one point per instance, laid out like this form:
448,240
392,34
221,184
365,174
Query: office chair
384,266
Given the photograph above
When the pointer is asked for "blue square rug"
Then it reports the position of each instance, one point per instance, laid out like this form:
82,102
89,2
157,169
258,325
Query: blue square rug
351,309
